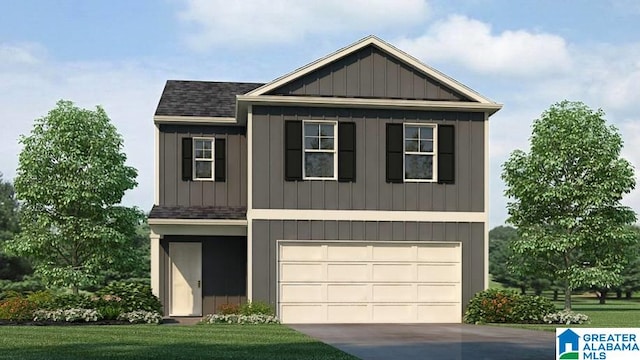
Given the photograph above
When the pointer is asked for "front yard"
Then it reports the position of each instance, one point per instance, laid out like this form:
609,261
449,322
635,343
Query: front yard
161,342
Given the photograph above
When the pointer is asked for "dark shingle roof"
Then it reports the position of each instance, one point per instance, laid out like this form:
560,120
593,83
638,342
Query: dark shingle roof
201,98
198,212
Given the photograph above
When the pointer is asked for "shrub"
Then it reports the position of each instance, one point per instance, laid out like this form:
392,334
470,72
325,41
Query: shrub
17,307
239,319
228,309
256,308
70,301
28,284
110,306
566,317
134,296
141,317
67,315
42,299
506,306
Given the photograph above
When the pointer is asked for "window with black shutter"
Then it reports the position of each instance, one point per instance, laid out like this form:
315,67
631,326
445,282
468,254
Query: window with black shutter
220,163
293,150
394,153
446,154
347,152
187,159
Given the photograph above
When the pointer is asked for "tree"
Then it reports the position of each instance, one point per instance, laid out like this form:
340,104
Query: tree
565,198
70,179
11,267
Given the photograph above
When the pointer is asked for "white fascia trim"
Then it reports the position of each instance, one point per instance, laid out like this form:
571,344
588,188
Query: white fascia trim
156,160
287,100
366,215
372,40
155,263
199,222
486,201
161,119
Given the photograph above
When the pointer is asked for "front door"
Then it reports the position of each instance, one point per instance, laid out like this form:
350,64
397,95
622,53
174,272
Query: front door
186,278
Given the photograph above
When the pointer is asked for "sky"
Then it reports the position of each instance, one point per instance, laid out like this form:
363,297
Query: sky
118,54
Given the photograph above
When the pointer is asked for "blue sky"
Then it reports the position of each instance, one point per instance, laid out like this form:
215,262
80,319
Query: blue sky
524,54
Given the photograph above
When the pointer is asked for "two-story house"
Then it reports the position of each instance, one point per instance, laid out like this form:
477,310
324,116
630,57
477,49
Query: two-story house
352,190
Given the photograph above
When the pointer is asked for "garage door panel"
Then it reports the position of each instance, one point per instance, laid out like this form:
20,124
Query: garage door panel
393,272
348,252
394,252
441,313
401,313
440,253
348,293
352,313
439,292
301,252
302,293
370,282
302,272
394,293
302,313
348,272
438,272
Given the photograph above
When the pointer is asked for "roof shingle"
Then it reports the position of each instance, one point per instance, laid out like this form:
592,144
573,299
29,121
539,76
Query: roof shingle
201,98
198,212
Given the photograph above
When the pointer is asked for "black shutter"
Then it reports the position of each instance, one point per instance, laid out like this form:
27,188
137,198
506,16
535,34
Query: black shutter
446,154
292,150
220,161
347,152
395,149
187,159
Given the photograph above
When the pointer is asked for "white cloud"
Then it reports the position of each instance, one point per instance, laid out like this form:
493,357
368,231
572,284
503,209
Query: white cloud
266,22
20,54
471,43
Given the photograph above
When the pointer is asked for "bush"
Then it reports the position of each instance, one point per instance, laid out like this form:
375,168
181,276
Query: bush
506,306
134,296
256,308
141,317
28,284
17,307
67,315
566,317
239,319
110,306
70,301
228,309
42,299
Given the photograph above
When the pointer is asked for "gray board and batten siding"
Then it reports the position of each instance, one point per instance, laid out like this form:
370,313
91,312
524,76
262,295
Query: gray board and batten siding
369,73
176,192
266,233
224,270
370,191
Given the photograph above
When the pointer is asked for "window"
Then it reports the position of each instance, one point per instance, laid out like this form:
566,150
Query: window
419,152
203,158
319,160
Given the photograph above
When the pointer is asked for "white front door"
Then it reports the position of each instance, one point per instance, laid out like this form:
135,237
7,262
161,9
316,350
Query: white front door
186,278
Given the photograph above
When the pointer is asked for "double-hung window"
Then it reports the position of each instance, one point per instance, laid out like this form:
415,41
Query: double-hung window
419,152
203,158
320,142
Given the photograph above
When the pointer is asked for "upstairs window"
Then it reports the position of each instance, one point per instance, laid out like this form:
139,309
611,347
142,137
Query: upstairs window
419,152
319,150
203,158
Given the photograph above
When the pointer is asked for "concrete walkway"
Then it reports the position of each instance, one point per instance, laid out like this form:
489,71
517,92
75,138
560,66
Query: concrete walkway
434,341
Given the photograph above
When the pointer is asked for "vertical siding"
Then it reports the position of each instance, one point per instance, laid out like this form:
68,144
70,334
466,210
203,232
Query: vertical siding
370,191
266,233
174,191
369,72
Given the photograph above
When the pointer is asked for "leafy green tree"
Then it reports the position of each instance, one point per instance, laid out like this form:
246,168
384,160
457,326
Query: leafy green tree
12,268
565,198
70,180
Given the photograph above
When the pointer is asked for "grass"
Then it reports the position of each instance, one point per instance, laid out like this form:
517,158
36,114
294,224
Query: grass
161,342
615,313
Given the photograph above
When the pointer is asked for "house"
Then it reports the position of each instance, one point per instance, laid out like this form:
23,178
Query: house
352,190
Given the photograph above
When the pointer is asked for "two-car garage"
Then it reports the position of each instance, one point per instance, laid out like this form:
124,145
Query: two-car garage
369,282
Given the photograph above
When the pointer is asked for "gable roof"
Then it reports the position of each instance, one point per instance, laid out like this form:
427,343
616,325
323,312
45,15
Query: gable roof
201,98
383,46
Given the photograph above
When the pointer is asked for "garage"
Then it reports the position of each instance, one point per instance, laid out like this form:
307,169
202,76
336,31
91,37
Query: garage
369,282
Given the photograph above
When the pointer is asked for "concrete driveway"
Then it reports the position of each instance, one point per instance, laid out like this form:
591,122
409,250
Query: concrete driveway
434,341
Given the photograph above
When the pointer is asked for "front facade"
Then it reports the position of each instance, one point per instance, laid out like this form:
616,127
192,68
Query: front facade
353,190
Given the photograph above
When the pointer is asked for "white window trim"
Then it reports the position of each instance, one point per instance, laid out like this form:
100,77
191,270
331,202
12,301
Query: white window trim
335,150
194,160
434,153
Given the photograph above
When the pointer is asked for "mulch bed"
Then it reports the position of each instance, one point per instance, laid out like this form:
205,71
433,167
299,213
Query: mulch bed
62,323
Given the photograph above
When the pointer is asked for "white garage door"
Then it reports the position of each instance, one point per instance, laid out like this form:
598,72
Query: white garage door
369,282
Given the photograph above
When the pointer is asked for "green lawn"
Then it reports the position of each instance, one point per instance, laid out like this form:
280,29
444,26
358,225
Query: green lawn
161,342
615,313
